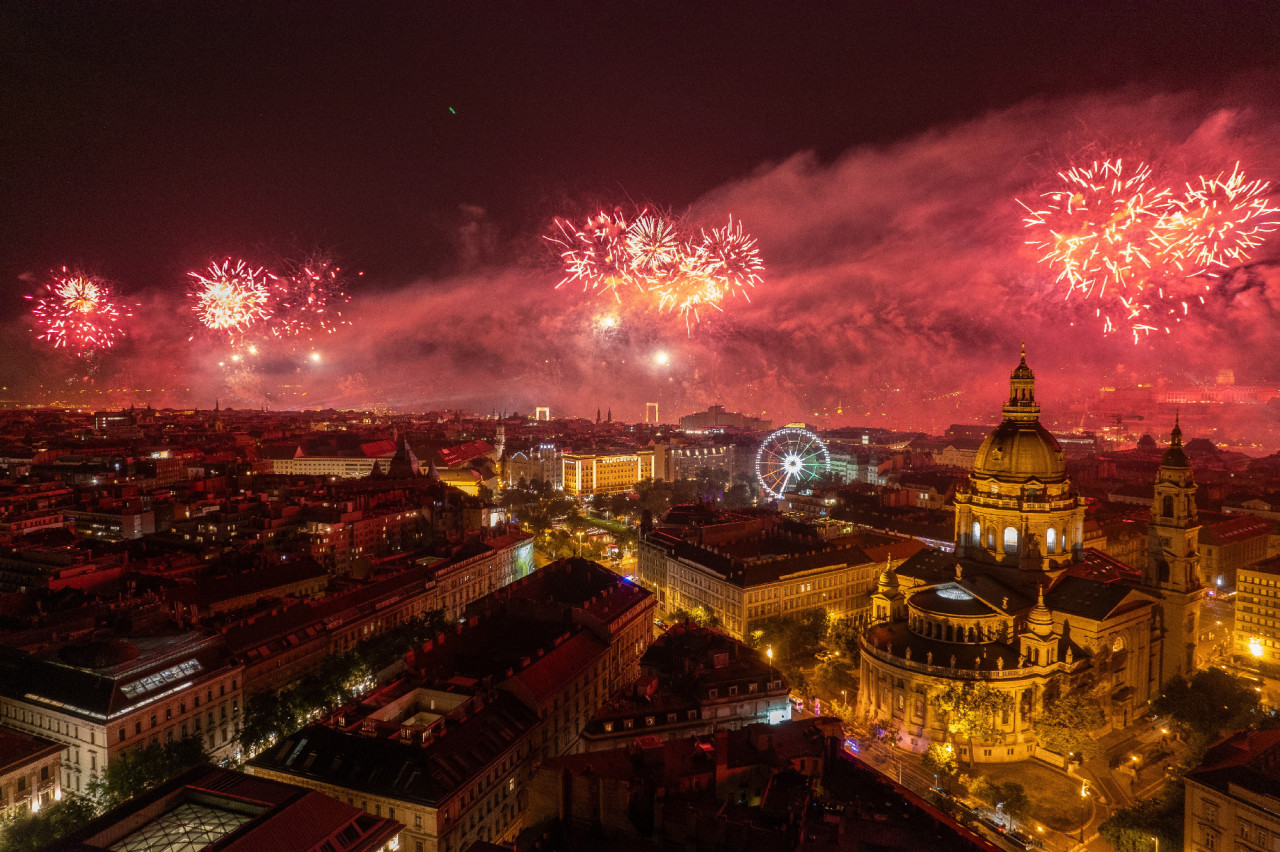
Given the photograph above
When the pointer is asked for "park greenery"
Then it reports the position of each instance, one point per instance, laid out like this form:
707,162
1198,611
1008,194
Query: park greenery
271,715
129,774
1066,726
1202,708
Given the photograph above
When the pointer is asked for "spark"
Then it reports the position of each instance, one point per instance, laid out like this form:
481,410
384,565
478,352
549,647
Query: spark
1114,234
231,296
78,312
307,300
685,274
595,254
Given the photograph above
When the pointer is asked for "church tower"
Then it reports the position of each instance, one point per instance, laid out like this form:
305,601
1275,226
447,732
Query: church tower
1172,570
888,604
1019,507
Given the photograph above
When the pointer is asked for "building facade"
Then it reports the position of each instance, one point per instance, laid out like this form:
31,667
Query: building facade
109,696
606,473
1023,611
1233,796
745,573
30,772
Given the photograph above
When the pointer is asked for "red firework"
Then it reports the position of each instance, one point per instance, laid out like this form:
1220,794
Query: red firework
79,312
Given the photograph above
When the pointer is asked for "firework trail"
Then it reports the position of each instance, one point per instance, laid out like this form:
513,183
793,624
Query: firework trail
1114,234
231,296
78,312
307,300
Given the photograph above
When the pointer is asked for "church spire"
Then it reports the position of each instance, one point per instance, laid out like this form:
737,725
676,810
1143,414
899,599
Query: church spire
1022,403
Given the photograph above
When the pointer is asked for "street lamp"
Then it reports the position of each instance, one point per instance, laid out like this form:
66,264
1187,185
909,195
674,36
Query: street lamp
1156,841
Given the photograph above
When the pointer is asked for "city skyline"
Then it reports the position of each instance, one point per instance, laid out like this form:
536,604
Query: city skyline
877,157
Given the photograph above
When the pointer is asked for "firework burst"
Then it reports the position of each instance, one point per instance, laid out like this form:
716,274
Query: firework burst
78,312
683,274
1112,233
308,299
231,296
1217,224
595,254
731,257
654,246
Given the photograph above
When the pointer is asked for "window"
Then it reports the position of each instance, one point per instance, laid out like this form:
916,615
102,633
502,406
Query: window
1010,540
122,734
1050,540
153,720
977,533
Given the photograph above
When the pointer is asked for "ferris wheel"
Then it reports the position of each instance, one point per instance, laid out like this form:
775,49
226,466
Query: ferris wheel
791,458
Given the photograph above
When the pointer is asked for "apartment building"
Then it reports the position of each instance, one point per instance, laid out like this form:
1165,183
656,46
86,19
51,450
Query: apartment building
100,698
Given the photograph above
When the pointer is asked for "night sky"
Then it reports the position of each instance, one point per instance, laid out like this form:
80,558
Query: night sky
430,145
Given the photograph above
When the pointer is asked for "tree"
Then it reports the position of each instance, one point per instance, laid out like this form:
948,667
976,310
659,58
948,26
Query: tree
940,758
30,832
1212,700
1131,829
138,770
1066,726
971,709
1013,797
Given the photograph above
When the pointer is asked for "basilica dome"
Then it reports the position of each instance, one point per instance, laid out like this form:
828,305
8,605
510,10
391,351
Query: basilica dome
1020,451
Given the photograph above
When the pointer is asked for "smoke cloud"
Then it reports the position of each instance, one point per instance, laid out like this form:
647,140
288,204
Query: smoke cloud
898,289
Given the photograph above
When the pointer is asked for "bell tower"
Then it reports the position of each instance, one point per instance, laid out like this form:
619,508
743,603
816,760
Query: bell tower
1172,570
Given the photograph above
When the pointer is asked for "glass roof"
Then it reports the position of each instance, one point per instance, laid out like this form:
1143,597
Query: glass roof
187,828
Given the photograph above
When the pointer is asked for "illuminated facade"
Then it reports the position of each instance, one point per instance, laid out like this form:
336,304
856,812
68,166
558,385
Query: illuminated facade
1024,608
607,473
1257,626
1019,506
110,696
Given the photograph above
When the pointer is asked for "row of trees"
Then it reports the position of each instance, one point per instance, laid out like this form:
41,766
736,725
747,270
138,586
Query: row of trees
127,775
270,715
1201,709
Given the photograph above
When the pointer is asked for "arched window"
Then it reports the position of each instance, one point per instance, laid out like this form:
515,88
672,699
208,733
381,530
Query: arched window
991,538
977,534
1010,539
1050,540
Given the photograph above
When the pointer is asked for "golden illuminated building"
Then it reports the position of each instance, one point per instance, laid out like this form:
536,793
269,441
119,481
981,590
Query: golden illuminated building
1257,626
1024,608
1019,506
606,473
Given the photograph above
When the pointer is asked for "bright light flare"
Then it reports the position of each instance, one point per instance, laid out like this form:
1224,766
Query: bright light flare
231,296
78,312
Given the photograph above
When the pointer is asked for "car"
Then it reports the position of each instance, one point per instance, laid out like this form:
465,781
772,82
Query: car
993,824
1023,840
